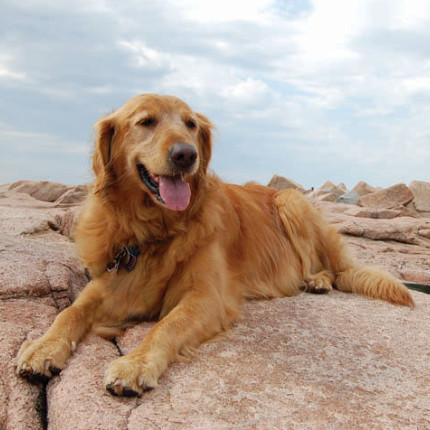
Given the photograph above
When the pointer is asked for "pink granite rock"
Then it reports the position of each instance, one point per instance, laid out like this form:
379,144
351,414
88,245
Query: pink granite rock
396,195
40,190
334,361
363,188
421,193
360,212
281,183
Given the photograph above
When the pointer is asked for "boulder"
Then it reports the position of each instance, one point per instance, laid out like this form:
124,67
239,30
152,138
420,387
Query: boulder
73,195
282,183
397,211
326,197
421,193
352,197
388,198
342,187
328,192
349,198
362,188
40,190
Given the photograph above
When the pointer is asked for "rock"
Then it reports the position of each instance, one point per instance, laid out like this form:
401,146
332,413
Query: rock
373,213
342,187
415,276
281,183
328,192
40,190
406,211
352,197
326,197
390,197
73,195
364,188
39,275
293,375
349,198
329,187
421,193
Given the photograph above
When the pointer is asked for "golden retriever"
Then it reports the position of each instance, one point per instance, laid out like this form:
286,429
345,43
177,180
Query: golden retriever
165,239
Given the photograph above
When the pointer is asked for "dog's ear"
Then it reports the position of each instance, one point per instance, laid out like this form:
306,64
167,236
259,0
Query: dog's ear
205,136
102,158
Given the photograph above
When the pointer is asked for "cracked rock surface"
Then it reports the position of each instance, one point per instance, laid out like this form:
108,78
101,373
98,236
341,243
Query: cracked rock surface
335,361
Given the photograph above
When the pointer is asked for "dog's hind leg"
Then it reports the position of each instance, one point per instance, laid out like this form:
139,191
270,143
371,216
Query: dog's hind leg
324,256
319,283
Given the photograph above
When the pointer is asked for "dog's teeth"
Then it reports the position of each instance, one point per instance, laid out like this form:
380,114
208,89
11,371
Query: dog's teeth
73,346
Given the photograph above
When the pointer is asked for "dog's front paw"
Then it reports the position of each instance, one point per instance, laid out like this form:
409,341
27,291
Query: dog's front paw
129,376
40,359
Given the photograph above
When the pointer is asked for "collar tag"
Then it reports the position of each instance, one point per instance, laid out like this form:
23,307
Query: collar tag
127,257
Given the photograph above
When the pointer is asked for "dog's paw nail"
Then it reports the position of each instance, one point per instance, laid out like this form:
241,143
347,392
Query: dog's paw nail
111,389
54,370
128,392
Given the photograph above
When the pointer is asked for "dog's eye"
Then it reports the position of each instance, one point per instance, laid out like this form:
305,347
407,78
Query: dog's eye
190,124
148,122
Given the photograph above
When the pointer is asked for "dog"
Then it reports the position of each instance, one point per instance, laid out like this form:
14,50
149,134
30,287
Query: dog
165,239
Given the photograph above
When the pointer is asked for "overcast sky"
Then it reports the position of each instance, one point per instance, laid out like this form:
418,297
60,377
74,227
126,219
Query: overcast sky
312,90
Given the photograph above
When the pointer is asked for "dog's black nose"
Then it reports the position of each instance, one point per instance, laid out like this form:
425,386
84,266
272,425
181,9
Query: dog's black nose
183,155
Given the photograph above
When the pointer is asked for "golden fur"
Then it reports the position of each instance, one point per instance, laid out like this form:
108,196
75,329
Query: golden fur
196,265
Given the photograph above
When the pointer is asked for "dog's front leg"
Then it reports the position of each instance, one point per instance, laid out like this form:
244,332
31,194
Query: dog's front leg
38,360
199,311
194,320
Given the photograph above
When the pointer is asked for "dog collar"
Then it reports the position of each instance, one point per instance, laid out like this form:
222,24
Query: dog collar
126,257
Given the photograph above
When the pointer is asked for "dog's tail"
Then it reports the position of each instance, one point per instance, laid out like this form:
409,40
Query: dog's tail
373,282
353,277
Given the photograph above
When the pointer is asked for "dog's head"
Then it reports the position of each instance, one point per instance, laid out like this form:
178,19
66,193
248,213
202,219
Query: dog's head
156,144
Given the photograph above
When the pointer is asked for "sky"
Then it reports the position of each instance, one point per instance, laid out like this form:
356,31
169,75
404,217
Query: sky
313,90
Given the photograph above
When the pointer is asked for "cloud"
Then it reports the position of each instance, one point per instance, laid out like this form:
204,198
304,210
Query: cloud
315,90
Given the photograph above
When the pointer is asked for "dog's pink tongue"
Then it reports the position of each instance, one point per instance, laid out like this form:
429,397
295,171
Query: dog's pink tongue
175,192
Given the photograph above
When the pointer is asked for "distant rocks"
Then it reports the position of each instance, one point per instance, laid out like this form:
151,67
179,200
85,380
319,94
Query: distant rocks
52,192
281,183
398,200
352,197
421,193
397,195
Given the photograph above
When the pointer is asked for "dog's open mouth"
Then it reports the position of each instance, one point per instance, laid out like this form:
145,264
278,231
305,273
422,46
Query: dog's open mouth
172,191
